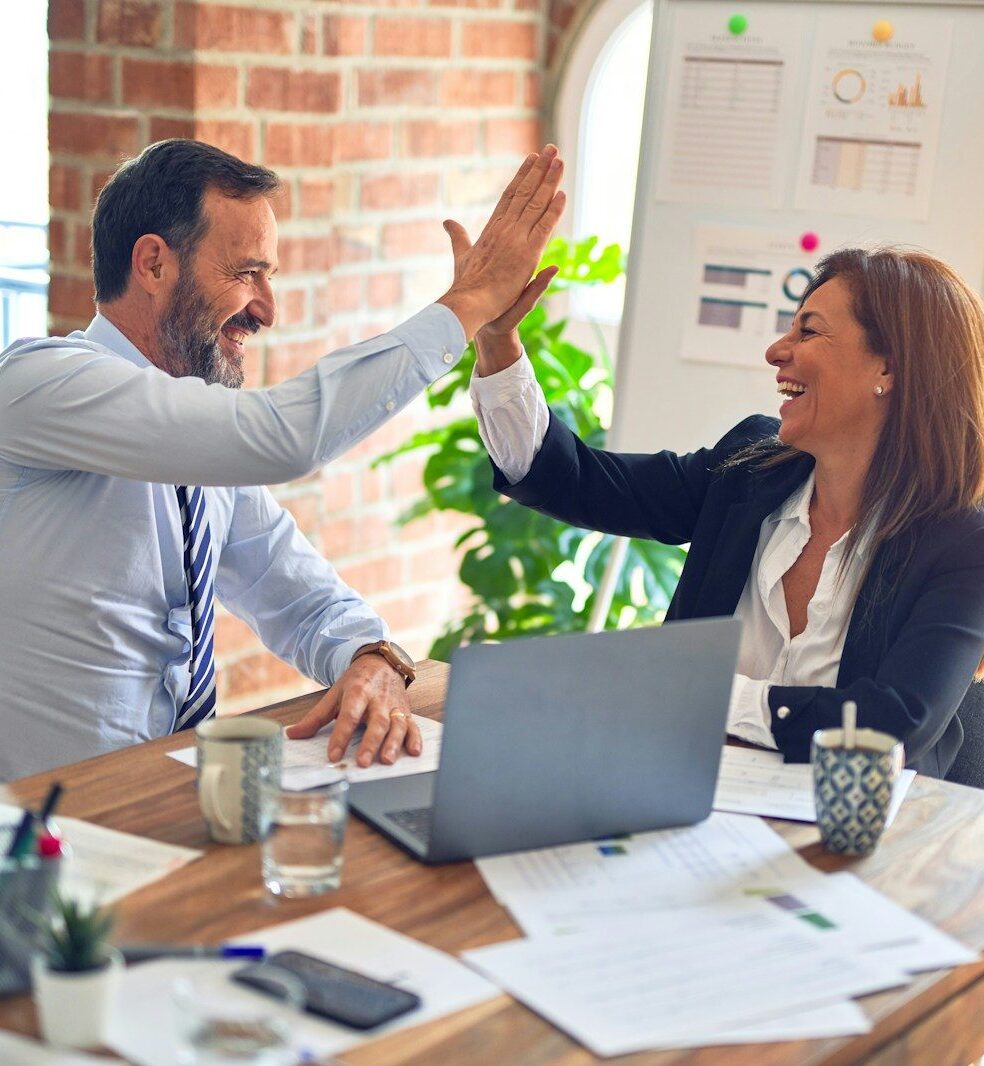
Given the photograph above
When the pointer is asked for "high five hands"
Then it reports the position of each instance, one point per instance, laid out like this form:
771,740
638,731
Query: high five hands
493,285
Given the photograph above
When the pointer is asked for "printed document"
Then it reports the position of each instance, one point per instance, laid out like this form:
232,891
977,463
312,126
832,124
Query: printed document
751,781
306,762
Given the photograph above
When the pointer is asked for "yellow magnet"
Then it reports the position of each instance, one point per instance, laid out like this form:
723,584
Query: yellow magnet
882,30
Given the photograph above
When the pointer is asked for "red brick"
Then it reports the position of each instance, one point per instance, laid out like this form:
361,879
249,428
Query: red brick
129,22
512,136
79,76
239,138
377,575
256,672
99,179
437,139
354,244
478,88
533,90
317,197
339,538
412,37
301,255
343,35
93,135
58,241
384,191
299,145
403,239
278,89
499,39
64,188
232,634
342,293
562,14
337,489
402,87
488,4
385,290
306,509
291,307
151,83
66,20
233,29
81,255
430,565
356,141
309,35
71,297
374,482
291,358
412,612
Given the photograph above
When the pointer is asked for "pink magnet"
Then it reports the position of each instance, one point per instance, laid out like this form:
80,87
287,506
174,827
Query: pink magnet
809,242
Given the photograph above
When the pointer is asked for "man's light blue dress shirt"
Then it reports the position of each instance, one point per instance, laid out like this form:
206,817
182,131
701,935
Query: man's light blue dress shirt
95,624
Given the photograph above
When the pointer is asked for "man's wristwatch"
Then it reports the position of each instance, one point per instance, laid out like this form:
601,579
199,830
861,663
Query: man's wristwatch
394,655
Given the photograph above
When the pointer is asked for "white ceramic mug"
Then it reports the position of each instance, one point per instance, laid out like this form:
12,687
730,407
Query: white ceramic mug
237,757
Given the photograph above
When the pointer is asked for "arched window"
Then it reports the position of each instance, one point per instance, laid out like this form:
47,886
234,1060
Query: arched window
598,118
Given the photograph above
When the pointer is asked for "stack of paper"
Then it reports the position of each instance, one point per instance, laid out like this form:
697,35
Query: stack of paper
306,761
715,933
752,781
102,864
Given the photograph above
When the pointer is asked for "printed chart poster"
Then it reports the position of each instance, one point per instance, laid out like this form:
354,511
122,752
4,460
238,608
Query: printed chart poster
872,116
727,105
747,288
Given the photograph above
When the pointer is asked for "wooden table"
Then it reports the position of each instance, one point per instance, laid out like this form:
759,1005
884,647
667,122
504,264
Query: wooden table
931,860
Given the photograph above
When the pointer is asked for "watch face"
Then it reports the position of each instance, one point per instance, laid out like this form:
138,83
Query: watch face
402,656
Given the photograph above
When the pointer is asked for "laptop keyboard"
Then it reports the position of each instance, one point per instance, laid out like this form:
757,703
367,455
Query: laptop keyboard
414,820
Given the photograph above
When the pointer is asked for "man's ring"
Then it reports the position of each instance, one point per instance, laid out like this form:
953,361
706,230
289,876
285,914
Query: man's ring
398,714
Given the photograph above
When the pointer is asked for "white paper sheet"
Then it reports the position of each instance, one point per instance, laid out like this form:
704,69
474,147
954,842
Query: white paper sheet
726,111
872,116
19,1051
306,761
143,1028
727,855
103,864
671,979
752,781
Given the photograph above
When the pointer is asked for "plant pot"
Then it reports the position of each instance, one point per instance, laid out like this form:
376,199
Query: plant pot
74,1009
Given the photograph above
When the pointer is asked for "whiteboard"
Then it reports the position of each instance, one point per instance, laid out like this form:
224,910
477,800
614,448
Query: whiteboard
678,393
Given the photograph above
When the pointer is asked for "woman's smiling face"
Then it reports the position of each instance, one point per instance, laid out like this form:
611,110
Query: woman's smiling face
828,376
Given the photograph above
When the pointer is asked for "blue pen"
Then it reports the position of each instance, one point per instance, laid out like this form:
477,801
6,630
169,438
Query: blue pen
23,838
143,952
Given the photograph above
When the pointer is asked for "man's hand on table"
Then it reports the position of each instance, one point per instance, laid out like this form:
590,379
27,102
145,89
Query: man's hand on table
371,692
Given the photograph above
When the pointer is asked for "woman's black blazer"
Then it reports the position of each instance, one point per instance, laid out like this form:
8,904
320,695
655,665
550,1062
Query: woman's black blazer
916,633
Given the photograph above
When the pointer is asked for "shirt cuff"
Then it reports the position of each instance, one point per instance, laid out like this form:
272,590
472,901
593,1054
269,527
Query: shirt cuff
496,390
435,337
749,716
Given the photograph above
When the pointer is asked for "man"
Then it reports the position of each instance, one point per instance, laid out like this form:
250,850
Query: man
113,553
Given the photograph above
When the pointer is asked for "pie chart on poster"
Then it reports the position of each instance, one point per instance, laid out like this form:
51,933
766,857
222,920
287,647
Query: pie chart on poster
849,86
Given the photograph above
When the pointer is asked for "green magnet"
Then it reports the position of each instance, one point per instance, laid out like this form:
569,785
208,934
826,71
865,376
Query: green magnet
737,24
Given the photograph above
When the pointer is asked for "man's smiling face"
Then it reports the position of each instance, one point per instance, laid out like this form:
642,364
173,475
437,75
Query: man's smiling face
223,293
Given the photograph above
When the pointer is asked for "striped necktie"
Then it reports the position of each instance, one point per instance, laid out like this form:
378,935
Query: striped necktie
198,570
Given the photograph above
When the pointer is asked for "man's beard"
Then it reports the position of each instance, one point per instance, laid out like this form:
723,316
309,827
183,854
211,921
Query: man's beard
188,339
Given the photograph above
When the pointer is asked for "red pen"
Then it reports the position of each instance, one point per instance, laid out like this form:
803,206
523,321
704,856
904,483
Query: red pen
49,846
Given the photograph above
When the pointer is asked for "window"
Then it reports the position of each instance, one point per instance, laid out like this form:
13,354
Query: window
599,124
24,200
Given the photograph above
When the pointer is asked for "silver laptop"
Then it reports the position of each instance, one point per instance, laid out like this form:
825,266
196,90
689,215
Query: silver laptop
557,739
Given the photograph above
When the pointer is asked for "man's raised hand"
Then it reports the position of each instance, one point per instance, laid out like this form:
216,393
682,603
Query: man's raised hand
493,275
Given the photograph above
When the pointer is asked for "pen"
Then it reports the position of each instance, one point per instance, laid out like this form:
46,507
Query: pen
143,952
23,838
50,802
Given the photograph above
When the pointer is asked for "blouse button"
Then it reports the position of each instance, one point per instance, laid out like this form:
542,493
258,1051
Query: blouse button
783,712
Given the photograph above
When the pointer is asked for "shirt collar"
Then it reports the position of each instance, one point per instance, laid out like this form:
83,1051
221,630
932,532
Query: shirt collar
796,507
101,331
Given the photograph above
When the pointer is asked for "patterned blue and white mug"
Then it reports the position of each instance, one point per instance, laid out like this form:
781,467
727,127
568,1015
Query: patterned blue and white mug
237,759
853,787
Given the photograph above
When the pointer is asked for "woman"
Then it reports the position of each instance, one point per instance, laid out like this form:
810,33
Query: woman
848,536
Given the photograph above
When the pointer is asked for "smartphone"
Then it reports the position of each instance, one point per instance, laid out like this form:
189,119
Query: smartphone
332,991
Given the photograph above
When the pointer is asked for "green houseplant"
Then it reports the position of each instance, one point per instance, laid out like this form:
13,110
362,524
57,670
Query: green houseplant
76,975
531,575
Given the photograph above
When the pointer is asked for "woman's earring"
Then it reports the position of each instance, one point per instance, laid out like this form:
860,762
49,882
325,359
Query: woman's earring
879,390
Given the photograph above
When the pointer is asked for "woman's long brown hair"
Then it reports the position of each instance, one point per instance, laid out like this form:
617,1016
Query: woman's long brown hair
928,323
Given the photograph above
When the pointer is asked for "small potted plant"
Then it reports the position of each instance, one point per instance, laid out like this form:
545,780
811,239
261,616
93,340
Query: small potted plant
76,975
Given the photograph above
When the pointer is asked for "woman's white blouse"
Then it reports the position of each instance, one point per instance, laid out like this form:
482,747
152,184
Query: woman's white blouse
512,420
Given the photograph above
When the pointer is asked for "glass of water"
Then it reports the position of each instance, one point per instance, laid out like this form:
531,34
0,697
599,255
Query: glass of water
221,1023
302,848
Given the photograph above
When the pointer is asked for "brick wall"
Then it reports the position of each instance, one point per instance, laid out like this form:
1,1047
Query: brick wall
383,118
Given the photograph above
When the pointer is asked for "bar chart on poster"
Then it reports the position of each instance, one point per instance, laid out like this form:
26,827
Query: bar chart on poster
776,132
